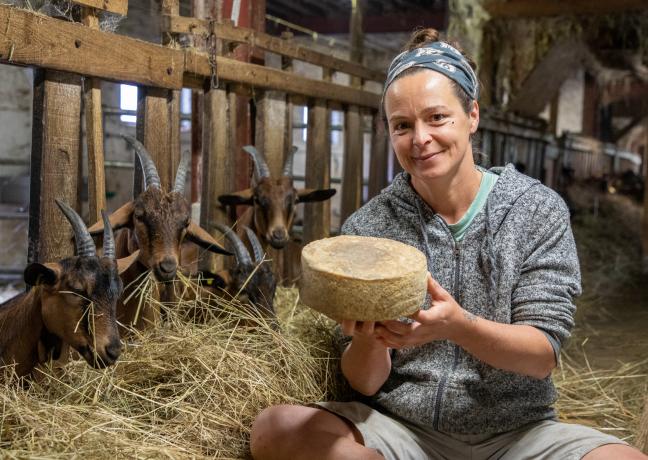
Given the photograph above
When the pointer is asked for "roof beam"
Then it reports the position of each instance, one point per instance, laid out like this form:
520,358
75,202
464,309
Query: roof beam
536,8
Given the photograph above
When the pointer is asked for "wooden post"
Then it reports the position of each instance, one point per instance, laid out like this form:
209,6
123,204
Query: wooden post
197,110
54,163
94,134
353,135
172,8
379,157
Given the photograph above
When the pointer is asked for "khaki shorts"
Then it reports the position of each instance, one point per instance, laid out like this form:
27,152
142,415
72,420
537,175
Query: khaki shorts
401,440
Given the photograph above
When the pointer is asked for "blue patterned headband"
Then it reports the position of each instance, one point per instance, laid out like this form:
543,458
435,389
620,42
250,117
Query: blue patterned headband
440,57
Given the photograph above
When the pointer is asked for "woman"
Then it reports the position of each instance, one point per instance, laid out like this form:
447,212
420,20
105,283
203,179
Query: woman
469,375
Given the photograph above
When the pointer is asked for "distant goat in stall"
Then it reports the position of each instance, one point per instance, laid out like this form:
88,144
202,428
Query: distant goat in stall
155,223
72,303
272,200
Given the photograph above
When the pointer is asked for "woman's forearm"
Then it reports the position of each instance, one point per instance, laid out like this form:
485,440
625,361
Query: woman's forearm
517,348
366,365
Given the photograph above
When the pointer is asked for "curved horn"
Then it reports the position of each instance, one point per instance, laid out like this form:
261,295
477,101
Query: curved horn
181,175
151,177
108,237
288,165
85,247
240,251
256,244
260,166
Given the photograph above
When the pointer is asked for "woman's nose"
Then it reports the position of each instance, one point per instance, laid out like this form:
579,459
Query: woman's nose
421,134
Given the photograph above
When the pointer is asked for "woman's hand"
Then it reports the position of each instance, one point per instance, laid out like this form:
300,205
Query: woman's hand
362,331
441,321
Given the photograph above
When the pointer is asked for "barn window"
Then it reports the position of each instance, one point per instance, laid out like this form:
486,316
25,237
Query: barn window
128,102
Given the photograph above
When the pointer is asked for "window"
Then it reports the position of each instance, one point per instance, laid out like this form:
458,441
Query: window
128,101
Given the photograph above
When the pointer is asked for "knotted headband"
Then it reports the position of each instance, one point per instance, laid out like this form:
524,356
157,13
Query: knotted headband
440,57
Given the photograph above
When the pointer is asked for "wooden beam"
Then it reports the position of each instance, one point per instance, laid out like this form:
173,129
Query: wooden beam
27,38
218,164
352,172
270,43
94,134
54,164
119,7
535,8
379,157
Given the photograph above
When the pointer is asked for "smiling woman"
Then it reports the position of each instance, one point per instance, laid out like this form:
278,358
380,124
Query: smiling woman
469,374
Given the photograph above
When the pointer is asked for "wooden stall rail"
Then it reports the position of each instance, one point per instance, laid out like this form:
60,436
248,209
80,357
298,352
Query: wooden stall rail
31,39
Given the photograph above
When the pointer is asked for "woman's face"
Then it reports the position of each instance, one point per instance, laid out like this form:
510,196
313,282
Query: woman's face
429,130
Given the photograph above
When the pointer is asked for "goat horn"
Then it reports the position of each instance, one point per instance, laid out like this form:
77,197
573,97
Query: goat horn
261,169
85,247
181,175
240,251
108,237
288,165
256,244
151,177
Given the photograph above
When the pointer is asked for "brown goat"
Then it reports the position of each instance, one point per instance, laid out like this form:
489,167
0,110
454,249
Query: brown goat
72,303
155,223
273,200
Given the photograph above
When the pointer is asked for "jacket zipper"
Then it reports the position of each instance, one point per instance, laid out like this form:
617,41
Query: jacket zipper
444,379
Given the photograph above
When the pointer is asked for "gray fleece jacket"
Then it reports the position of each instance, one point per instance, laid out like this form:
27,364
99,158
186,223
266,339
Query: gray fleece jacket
517,264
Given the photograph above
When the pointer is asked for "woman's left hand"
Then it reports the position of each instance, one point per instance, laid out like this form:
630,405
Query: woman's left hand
440,322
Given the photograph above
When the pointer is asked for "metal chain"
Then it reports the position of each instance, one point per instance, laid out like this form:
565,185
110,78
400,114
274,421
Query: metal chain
211,49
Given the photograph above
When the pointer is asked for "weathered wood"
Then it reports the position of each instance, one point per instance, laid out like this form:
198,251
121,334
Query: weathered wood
28,38
197,63
94,134
153,130
217,166
270,128
534,8
54,163
352,172
317,216
379,157
276,45
112,6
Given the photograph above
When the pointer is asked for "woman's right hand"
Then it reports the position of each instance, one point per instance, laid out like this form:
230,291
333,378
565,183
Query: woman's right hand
364,331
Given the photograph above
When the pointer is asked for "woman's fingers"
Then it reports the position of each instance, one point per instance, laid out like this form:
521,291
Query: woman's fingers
348,326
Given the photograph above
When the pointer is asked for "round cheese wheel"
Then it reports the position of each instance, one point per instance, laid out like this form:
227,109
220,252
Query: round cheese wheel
363,278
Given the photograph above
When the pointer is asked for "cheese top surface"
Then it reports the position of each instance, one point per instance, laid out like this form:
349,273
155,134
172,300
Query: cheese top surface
364,258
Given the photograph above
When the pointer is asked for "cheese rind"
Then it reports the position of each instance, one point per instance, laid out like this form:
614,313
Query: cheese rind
363,278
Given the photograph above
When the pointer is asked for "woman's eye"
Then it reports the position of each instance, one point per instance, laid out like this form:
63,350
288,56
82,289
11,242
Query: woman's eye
437,117
402,126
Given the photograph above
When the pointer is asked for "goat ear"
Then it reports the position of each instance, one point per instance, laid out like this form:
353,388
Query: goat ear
309,195
124,263
36,274
196,234
242,197
123,217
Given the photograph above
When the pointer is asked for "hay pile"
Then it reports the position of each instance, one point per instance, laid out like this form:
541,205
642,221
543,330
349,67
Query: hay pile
187,389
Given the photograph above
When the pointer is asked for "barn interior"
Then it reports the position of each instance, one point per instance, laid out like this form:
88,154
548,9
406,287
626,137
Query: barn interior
564,97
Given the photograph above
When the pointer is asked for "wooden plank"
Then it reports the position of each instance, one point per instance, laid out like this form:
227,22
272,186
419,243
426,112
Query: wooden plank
276,45
266,78
534,8
379,157
112,6
218,164
94,134
352,172
28,38
270,128
317,216
153,128
54,163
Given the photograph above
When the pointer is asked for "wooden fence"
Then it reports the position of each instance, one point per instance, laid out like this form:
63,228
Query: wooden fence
72,58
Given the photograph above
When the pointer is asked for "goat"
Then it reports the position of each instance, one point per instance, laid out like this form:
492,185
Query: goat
155,223
72,303
272,201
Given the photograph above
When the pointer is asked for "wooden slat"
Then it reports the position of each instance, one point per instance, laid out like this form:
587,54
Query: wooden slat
28,38
276,45
535,8
379,157
94,134
352,172
270,128
153,128
218,164
54,163
112,6
263,77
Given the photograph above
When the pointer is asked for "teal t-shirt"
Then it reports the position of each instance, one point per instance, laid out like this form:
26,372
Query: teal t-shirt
487,183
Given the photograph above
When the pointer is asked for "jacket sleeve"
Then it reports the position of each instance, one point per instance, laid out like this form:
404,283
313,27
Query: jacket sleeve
549,281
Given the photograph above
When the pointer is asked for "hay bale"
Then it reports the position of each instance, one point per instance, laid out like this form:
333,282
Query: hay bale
363,278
